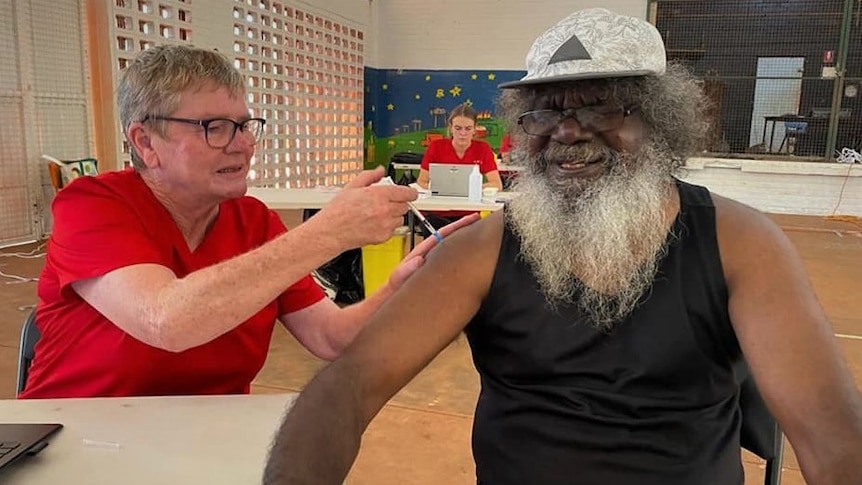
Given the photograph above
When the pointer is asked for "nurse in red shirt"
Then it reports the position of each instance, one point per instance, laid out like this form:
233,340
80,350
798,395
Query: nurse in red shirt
461,149
166,278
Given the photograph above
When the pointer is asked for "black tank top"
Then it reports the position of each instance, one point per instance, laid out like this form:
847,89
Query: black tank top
652,402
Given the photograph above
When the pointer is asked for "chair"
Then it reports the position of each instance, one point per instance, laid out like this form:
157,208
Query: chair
56,176
407,162
27,349
792,130
61,172
760,433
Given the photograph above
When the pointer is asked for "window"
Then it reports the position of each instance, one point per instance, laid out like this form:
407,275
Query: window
166,31
146,27
145,6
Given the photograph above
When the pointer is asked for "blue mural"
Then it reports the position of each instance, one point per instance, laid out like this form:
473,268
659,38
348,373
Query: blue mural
400,101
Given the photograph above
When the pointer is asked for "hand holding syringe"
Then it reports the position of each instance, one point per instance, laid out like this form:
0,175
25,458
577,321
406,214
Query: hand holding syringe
388,181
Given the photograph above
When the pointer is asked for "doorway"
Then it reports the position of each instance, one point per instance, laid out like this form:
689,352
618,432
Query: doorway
777,91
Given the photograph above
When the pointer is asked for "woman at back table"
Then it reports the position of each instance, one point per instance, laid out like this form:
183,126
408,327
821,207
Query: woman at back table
462,149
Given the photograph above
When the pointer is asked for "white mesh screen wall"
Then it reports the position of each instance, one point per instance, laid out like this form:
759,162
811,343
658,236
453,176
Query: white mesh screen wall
136,25
43,48
304,73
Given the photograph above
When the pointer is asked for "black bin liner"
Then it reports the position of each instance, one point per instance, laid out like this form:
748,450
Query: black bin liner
343,274
408,176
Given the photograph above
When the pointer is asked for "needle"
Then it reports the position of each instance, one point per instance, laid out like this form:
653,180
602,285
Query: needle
388,181
425,222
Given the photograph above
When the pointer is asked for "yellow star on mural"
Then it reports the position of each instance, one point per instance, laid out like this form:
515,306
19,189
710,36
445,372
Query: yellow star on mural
491,76
469,102
456,91
385,87
440,94
417,97
428,77
390,106
474,76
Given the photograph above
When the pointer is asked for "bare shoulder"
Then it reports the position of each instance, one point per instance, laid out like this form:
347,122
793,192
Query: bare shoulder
732,215
748,238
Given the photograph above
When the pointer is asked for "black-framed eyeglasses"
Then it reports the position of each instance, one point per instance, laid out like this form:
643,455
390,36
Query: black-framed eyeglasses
219,132
598,119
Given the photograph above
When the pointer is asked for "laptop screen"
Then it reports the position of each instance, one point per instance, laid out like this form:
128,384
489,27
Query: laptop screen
450,179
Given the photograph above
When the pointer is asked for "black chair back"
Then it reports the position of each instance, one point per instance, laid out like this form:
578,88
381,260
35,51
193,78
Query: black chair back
760,433
27,349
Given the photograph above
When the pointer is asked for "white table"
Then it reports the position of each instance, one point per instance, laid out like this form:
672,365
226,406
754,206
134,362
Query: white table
317,198
290,199
208,440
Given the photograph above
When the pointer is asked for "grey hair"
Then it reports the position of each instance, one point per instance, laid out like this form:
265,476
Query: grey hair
153,83
673,105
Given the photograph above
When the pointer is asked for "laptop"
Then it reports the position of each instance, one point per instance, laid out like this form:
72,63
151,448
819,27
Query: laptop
450,179
19,440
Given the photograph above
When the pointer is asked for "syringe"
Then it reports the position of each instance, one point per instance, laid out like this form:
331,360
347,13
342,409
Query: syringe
388,181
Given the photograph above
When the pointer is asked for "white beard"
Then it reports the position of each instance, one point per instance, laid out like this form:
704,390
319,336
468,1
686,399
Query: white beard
596,243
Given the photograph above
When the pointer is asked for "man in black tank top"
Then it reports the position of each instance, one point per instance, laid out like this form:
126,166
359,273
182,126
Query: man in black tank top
608,304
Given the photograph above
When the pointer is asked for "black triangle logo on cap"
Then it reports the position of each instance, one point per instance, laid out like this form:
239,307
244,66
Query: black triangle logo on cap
571,50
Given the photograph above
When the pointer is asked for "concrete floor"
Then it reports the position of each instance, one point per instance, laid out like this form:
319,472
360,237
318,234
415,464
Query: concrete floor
423,435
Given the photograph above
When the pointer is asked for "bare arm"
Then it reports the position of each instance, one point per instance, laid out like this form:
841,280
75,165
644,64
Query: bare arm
492,177
494,180
424,178
790,347
320,436
150,303
325,329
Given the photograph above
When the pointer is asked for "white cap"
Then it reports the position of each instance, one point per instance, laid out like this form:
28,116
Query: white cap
591,44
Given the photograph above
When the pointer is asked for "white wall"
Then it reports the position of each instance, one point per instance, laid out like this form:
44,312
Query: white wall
783,186
472,34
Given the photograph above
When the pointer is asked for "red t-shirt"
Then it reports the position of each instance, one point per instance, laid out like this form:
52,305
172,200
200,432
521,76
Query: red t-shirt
442,151
506,144
111,221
